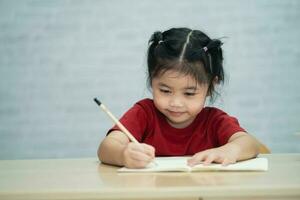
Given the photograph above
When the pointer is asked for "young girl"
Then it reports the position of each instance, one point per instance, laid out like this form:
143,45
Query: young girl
184,66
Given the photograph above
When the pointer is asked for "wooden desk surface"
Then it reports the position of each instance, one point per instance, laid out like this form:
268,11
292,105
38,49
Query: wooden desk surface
87,179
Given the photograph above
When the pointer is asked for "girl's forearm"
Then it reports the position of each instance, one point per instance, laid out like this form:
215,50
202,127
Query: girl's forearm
244,145
111,151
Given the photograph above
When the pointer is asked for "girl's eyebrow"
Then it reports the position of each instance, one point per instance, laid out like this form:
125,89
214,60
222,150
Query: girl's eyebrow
163,85
186,88
191,88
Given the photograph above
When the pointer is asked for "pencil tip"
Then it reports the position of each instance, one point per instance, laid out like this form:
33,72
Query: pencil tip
97,101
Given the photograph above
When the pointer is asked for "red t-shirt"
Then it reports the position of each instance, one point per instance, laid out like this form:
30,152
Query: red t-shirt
211,128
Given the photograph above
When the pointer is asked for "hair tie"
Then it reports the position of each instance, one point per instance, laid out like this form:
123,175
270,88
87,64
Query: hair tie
160,41
205,49
150,43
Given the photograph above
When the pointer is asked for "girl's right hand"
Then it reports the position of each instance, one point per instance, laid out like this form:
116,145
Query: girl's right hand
138,155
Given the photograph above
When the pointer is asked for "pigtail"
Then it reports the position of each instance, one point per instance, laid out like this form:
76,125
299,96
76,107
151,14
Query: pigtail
214,58
156,38
213,44
153,42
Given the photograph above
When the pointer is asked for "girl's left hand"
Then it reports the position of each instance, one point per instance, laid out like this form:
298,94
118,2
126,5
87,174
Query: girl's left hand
225,155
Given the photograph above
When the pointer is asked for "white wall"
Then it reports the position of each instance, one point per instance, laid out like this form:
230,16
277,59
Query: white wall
56,56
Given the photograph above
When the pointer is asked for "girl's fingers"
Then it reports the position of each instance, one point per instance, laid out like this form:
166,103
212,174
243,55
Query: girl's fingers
136,159
210,156
197,159
145,148
149,150
225,162
135,147
139,155
209,159
228,161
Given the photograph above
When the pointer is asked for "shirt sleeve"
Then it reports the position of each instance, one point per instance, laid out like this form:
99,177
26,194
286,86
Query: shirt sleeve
224,126
134,120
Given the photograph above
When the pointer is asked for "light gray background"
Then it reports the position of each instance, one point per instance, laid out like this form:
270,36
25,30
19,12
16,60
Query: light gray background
56,56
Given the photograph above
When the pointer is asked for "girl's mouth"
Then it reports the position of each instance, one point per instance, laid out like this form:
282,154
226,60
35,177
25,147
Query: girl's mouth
175,113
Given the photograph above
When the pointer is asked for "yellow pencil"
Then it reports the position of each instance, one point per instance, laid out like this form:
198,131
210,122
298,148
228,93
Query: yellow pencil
116,121
120,125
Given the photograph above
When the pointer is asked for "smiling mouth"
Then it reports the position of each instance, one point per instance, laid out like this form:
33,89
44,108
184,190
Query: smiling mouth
175,114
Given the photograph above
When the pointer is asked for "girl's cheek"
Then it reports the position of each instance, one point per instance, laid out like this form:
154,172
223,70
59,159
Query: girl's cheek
161,101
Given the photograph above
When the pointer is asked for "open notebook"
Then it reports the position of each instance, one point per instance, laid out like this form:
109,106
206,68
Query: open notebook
179,164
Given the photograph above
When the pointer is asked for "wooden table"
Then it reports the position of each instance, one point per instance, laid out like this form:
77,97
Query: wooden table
87,179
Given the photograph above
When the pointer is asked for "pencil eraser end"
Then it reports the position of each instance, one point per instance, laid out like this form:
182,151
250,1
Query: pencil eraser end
97,101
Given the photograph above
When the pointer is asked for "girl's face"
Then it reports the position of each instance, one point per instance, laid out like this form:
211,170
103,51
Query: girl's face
179,97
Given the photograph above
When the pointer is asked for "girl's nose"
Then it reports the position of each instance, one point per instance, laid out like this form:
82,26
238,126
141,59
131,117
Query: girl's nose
175,102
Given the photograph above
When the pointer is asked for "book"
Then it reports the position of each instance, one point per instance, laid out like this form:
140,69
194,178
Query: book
179,164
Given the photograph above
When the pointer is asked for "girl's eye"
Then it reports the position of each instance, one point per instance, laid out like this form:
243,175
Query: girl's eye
164,91
190,94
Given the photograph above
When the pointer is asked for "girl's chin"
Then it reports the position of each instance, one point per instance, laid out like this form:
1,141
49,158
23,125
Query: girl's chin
179,123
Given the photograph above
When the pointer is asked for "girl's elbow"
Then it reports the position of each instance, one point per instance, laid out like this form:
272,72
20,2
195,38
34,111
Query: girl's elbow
100,151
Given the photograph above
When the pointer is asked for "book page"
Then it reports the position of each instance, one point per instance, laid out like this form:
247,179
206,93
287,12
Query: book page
163,164
254,164
173,164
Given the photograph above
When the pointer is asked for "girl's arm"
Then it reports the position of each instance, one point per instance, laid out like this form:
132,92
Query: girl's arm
111,148
240,146
246,146
116,149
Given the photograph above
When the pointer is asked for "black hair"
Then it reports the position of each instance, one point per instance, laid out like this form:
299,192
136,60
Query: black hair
188,51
